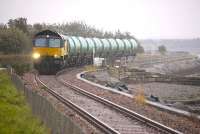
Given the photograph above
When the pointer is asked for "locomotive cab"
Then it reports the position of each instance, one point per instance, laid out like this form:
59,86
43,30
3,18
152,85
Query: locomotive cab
48,52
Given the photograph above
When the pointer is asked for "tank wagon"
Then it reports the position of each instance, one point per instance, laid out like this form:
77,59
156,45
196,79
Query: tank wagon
52,51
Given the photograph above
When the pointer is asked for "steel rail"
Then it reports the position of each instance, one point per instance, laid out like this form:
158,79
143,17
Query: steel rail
123,110
90,118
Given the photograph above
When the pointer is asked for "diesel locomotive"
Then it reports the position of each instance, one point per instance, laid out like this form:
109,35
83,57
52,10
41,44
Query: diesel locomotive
53,51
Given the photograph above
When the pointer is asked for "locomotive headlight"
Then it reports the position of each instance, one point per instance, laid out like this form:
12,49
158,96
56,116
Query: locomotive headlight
56,56
36,55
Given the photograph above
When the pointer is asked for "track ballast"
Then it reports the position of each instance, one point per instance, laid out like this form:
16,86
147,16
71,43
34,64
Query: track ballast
103,114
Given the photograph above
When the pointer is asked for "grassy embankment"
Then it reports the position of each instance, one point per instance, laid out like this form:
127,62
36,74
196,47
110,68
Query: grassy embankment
15,115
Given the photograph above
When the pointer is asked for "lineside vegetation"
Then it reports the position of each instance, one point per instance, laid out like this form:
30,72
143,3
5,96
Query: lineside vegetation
15,115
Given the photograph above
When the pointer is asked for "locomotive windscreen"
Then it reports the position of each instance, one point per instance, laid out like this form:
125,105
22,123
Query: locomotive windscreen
47,42
40,42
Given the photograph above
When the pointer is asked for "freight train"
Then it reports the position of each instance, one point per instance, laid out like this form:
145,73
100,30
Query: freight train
53,51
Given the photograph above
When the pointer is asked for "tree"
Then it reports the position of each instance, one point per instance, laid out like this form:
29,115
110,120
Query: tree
108,34
119,34
79,28
128,35
139,49
37,27
162,49
14,41
2,26
20,23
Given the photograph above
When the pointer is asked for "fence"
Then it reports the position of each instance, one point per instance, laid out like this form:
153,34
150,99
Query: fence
136,75
45,110
142,76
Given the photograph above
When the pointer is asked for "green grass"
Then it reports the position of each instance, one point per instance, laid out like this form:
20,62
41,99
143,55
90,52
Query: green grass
15,115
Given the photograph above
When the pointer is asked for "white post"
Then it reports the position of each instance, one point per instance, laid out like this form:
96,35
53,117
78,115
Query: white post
93,55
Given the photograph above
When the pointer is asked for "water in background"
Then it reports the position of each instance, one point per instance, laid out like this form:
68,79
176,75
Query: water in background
188,45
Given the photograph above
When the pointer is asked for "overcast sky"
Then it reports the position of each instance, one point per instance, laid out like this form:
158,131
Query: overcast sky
142,18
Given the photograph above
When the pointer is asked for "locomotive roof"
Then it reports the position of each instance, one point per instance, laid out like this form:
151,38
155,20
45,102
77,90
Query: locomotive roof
50,33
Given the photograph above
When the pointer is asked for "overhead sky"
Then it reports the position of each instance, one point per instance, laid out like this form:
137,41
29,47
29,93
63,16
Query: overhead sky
142,18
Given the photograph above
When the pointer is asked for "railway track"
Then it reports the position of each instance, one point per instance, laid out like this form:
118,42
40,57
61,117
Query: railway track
103,114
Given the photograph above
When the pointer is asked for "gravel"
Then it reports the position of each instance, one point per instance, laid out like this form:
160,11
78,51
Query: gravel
177,122
86,127
104,113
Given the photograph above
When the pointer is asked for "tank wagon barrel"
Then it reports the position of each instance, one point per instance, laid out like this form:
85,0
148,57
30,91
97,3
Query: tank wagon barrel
101,47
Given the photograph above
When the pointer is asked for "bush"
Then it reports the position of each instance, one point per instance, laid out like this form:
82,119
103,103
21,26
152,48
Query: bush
140,97
14,41
162,49
140,49
21,63
21,68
